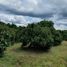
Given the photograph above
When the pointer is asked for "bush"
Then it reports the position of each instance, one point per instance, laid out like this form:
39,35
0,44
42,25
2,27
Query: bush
37,36
40,35
43,39
5,41
57,38
64,34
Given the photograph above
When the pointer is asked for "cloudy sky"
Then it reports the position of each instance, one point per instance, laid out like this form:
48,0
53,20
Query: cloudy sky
22,12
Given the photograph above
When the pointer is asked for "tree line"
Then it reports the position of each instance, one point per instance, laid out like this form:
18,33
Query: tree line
35,35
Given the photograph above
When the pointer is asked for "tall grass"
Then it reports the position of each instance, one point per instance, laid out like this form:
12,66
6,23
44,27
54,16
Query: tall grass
14,57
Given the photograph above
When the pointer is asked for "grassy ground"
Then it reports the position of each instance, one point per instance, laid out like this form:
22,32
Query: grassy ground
14,57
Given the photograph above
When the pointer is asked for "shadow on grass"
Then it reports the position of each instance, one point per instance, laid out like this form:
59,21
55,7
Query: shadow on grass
35,50
31,50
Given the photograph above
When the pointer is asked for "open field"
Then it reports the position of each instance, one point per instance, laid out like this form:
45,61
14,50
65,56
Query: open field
14,57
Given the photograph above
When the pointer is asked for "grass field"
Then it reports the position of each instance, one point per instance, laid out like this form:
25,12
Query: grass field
14,57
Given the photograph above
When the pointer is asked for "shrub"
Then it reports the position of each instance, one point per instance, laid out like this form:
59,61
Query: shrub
5,41
43,39
57,38
40,35
37,36
64,34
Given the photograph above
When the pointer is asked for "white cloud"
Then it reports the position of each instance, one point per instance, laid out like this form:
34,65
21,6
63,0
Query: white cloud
26,11
18,20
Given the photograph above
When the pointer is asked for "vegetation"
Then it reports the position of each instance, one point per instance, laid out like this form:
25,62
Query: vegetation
34,40
41,35
64,33
7,37
14,57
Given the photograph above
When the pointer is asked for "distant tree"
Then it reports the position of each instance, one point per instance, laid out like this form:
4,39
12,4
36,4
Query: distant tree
58,38
64,34
45,23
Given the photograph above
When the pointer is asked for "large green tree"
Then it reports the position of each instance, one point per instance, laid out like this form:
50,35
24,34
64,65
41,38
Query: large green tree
40,35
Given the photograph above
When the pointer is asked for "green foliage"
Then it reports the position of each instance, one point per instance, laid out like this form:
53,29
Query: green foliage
40,35
43,38
64,34
4,41
45,23
18,34
57,38
37,35
7,36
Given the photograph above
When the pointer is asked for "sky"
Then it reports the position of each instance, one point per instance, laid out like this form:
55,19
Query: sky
23,12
